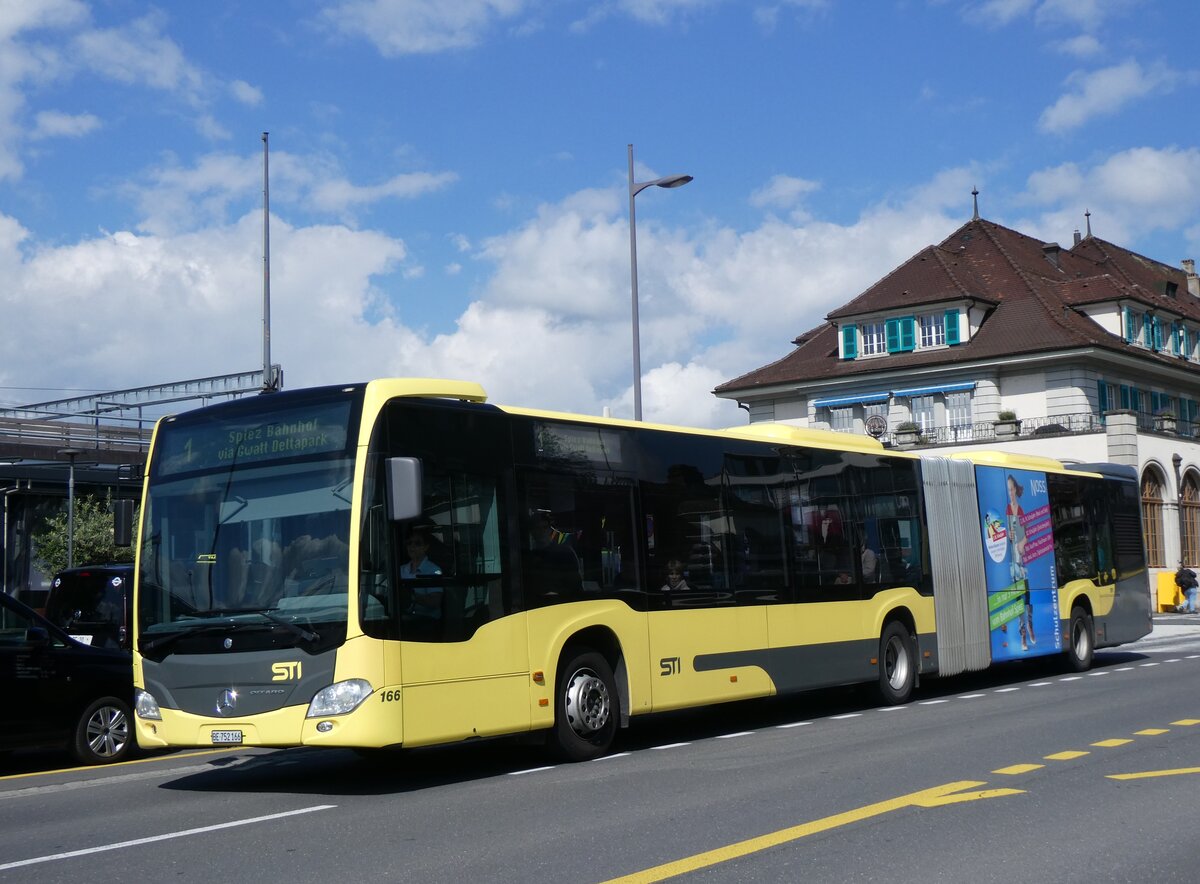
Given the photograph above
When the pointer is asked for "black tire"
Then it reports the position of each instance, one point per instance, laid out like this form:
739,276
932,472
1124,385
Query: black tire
585,708
897,664
1081,640
103,733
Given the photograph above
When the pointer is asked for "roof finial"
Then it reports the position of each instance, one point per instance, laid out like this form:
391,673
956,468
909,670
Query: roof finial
1087,214
975,197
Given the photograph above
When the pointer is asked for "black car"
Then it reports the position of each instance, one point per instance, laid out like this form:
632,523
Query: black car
93,604
58,692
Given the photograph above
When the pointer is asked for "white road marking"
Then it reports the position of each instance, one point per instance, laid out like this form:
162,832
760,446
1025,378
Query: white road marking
165,837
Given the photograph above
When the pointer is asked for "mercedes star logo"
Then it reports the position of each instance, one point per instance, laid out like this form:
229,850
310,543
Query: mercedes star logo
227,701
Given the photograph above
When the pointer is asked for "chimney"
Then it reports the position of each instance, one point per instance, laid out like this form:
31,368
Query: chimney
1050,250
1078,238
1193,281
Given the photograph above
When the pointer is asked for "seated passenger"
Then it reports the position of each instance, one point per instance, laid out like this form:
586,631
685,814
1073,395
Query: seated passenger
554,570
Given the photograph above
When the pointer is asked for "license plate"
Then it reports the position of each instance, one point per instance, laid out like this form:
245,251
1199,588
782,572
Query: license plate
227,738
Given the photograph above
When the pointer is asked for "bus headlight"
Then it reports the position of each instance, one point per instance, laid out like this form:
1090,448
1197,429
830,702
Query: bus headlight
339,698
145,705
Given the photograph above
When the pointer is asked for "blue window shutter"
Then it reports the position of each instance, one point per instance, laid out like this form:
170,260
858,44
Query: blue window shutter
1155,402
1125,397
1128,326
908,335
1102,397
892,330
1147,330
849,341
1156,337
951,326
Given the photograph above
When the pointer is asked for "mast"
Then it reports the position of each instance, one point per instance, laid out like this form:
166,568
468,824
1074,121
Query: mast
270,382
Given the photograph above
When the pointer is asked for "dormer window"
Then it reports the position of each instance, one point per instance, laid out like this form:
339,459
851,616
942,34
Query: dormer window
933,329
874,339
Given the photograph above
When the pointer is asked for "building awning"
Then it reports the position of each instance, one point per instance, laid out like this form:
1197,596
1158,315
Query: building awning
938,388
850,400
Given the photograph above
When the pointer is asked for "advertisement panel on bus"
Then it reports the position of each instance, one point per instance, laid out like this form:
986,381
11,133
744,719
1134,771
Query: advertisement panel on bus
1018,543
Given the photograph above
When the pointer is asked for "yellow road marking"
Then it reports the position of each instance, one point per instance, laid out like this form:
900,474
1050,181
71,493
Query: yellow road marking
951,793
1066,756
1151,732
1186,722
1149,774
1108,744
84,767
1014,769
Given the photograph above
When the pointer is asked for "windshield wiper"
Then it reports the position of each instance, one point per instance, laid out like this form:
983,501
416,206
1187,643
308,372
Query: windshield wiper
306,634
164,640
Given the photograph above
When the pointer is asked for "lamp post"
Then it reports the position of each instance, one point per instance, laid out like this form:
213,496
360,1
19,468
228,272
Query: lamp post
70,454
636,187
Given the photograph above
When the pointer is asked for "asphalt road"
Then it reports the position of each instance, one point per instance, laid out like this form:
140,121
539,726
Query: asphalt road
1025,773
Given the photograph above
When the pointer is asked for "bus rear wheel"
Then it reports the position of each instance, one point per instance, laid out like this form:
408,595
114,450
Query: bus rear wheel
1081,641
585,714
897,664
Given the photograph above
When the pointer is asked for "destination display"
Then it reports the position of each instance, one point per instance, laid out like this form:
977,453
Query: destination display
186,446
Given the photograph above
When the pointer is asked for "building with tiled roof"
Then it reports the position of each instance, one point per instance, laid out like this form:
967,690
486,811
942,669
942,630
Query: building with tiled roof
1094,349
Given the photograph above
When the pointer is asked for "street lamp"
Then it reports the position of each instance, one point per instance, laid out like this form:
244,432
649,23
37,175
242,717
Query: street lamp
634,189
70,454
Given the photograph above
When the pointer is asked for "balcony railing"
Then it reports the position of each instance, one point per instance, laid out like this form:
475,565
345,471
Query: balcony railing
1040,427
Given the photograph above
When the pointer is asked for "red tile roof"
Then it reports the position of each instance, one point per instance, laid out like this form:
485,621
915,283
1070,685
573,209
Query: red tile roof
1031,291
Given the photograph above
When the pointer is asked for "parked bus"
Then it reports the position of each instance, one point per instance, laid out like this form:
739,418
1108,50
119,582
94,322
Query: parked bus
401,564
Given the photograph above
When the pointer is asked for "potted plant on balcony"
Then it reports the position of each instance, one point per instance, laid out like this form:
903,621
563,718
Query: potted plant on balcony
1007,426
907,433
1164,421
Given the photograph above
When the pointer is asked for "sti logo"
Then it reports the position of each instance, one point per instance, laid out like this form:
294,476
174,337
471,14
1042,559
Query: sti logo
289,671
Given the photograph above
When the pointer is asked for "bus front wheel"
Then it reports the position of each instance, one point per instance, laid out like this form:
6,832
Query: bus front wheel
1081,640
585,715
897,664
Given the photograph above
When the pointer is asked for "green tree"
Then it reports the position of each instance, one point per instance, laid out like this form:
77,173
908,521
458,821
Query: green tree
93,537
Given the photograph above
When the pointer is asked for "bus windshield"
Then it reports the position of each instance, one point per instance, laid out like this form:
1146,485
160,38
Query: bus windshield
247,527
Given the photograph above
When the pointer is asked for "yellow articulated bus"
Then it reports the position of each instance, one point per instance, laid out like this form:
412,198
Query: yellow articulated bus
401,564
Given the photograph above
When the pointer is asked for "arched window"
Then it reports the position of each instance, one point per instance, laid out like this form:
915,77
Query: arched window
1190,513
1152,516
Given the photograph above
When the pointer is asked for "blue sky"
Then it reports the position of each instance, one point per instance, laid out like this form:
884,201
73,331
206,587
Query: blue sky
448,178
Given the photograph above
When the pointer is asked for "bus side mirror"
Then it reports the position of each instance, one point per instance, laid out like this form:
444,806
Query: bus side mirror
122,522
403,488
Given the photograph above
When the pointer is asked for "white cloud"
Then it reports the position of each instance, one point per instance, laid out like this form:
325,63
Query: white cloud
341,195
1083,46
246,94
782,192
1130,194
55,124
406,27
175,198
998,13
138,53
1103,92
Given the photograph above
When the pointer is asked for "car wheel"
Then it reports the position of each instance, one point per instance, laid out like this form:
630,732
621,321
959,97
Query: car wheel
102,734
